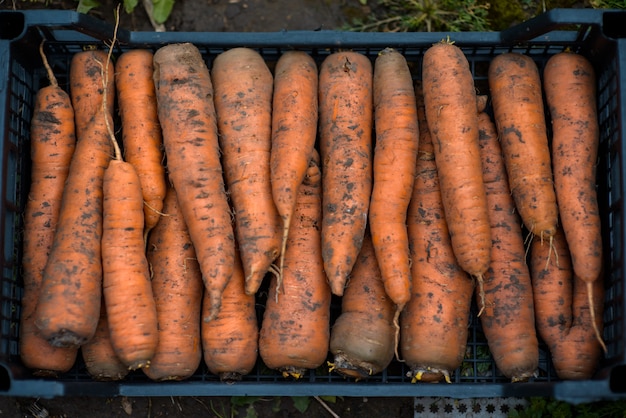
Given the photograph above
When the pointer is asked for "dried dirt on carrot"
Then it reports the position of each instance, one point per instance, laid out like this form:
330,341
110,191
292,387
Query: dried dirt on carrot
345,140
188,121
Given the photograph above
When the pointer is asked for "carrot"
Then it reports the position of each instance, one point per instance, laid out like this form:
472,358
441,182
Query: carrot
187,118
395,156
362,338
177,288
508,320
243,103
294,131
86,87
130,305
345,136
517,102
451,112
69,303
52,142
435,321
101,361
295,331
570,87
230,341
141,132
562,311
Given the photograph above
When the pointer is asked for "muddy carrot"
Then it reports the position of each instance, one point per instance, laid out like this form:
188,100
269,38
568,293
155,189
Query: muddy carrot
243,103
187,117
345,137
177,288
52,143
295,331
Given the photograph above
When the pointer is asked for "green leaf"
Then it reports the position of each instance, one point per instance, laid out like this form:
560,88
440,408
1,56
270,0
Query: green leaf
301,403
162,10
243,400
84,6
329,399
363,2
129,5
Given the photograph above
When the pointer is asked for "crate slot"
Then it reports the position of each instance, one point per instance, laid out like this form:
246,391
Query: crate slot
613,25
11,25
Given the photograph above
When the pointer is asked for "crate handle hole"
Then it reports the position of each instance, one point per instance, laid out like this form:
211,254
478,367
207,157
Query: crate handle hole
613,25
5,379
617,383
11,25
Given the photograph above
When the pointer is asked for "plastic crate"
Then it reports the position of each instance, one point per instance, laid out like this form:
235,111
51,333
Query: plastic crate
598,34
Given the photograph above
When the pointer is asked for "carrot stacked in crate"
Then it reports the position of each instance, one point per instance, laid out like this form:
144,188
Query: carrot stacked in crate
69,303
295,330
294,131
141,132
395,156
177,288
188,122
519,116
451,112
362,339
508,318
230,341
435,321
570,87
243,103
345,137
52,143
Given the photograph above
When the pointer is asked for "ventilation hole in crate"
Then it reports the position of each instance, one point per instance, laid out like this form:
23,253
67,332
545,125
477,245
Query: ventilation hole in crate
480,407
5,379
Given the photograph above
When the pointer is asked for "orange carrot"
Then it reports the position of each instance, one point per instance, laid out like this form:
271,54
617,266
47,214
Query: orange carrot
243,103
101,362
508,318
570,87
451,111
562,311
295,331
69,303
294,130
435,321
519,116
362,338
130,305
345,135
141,132
230,341
177,288
187,118
395,156
52,142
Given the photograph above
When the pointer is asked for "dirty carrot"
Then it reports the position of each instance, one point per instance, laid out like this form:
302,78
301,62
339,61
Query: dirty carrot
517,102
345,138
243,103
563,312
52,143
295,330
395,156
362,339
69,303
570,88
294,131
100,359
177,288
435,321
130,305
141,132
188,122
451,112
508,317
230,341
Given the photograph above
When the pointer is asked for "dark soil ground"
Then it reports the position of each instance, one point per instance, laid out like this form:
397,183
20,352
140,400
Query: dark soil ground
231,16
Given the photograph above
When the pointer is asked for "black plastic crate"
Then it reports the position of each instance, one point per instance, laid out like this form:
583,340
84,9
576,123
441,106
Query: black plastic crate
598,34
